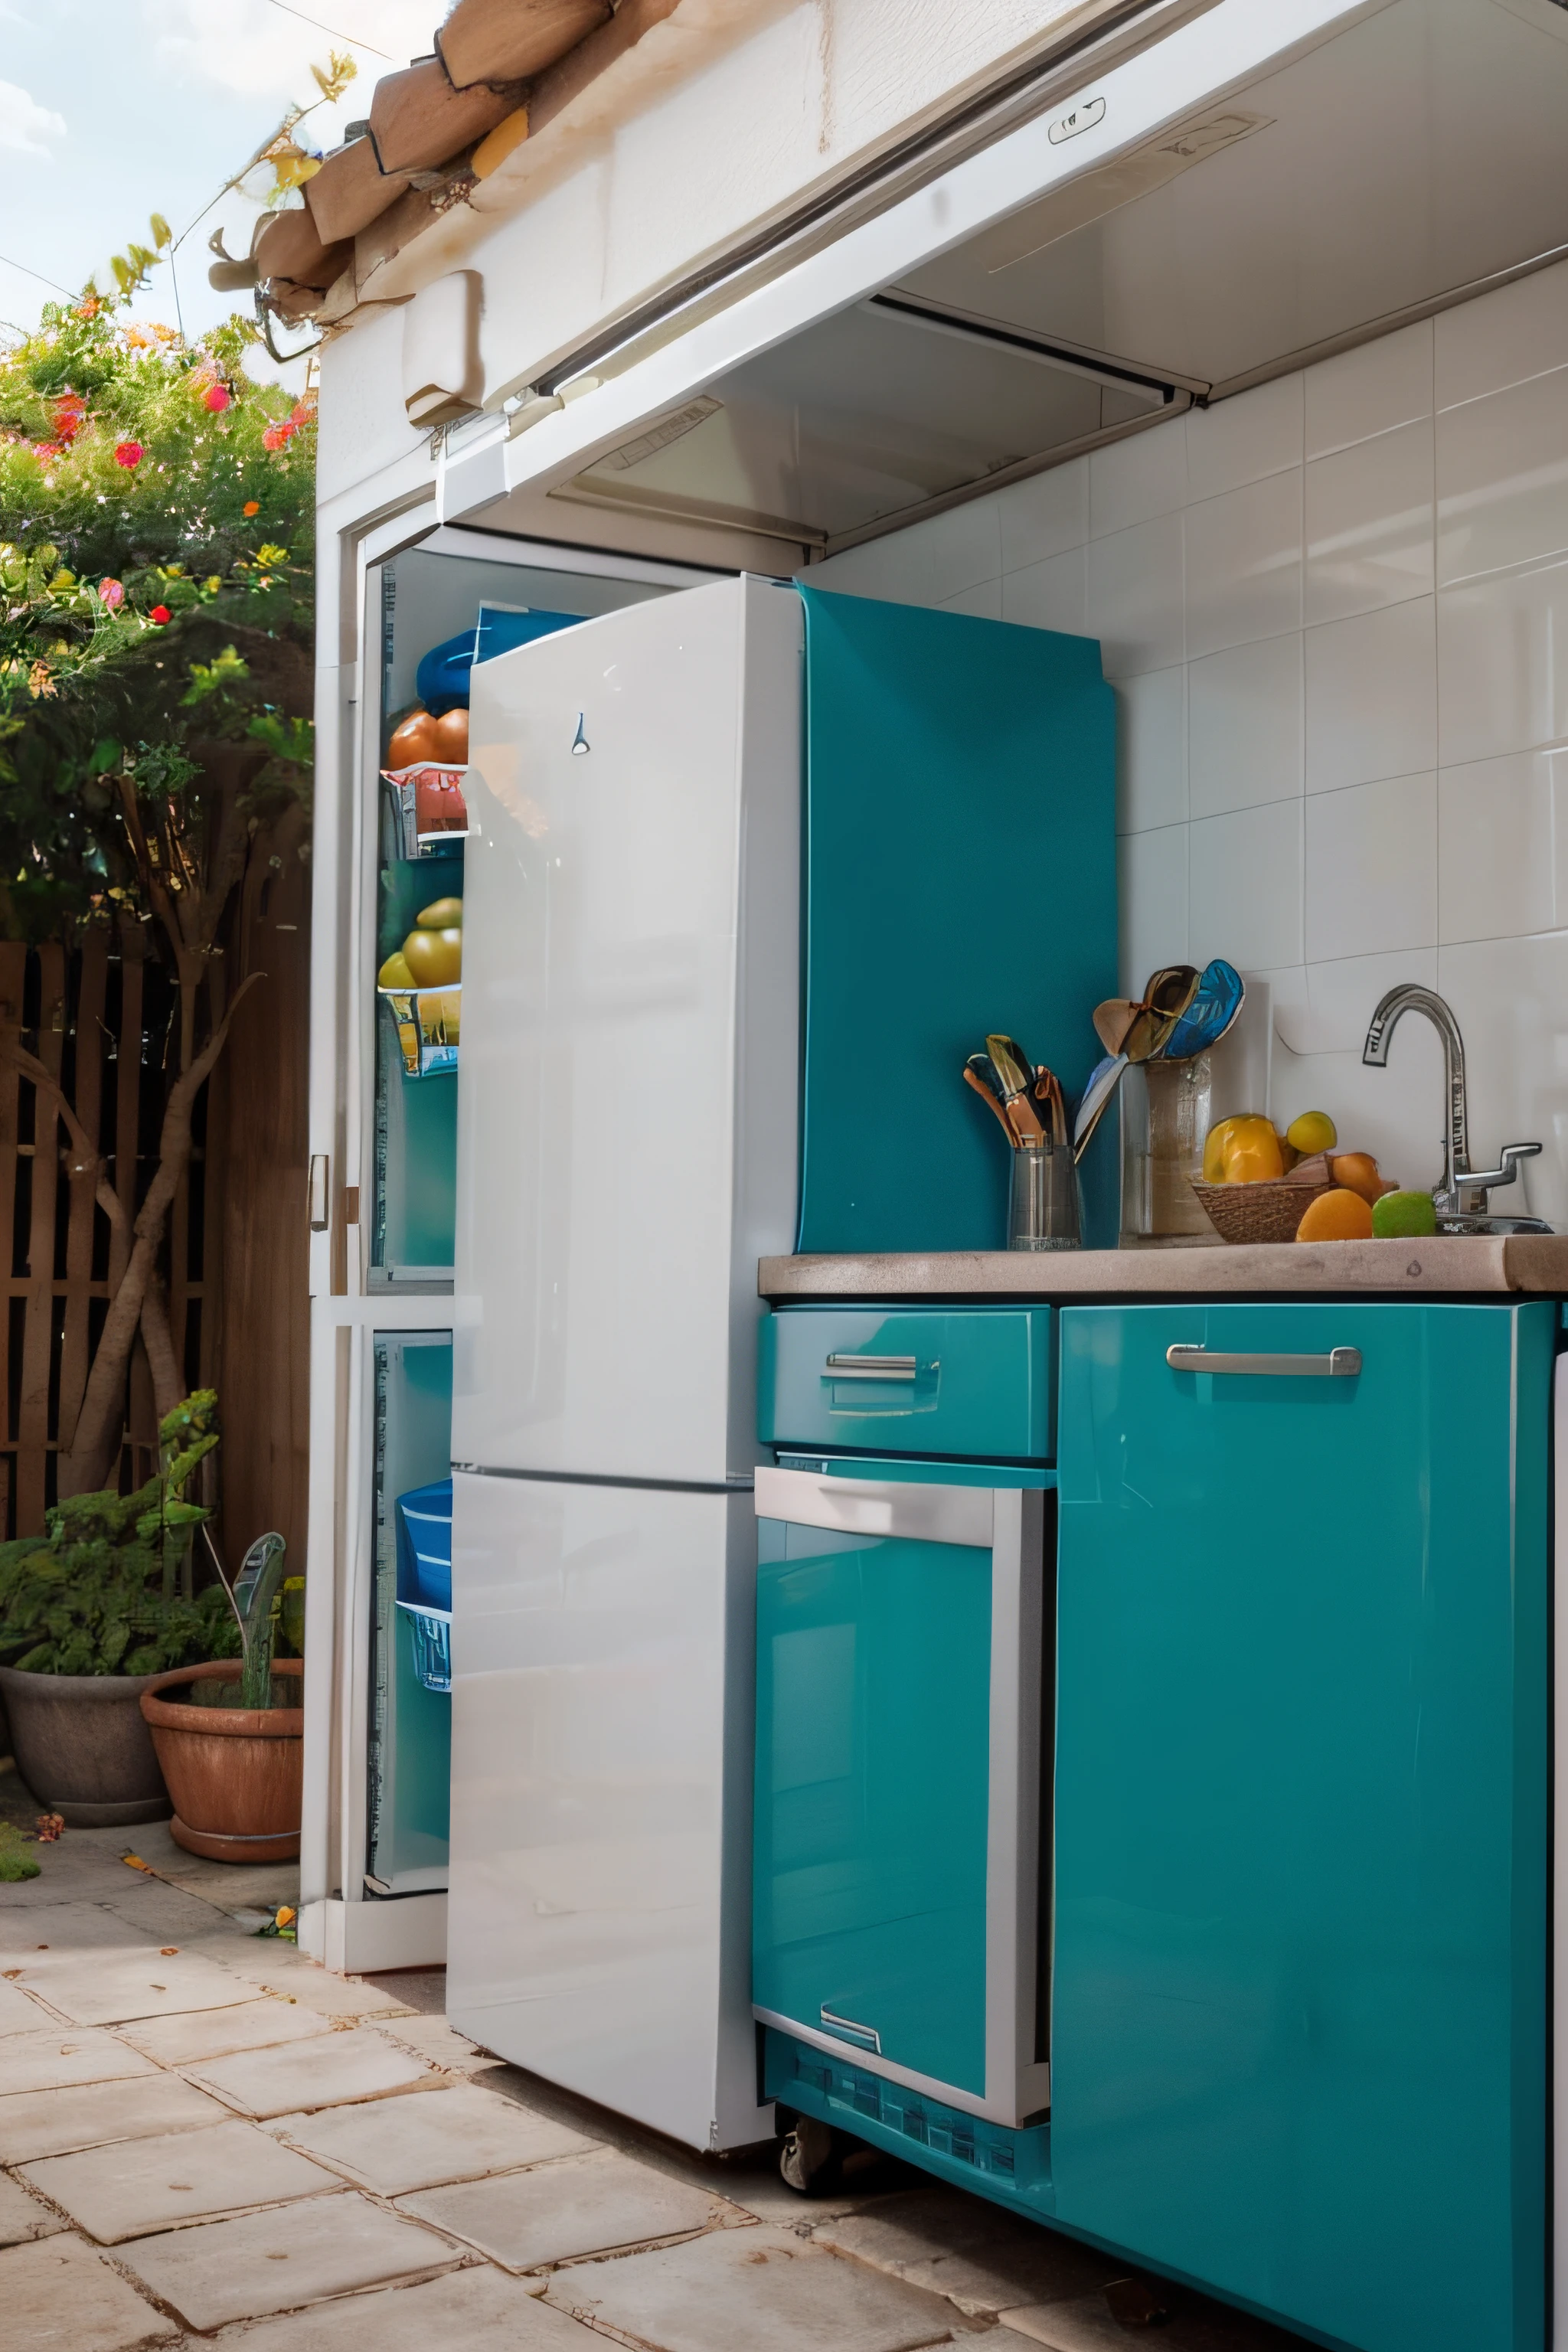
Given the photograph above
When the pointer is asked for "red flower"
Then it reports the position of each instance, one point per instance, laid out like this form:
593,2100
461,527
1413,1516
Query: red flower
45,452
277,434
128,454
216,397
112,593
69,412
301,413
160,616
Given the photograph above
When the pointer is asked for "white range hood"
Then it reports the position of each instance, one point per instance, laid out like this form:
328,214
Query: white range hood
1269,182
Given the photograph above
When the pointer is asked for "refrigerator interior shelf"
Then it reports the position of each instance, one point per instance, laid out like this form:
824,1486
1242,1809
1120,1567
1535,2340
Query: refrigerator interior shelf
441,784
427,1021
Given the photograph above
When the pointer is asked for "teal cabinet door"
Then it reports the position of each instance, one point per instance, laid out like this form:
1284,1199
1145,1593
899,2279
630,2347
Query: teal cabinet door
1299,2044
873,1707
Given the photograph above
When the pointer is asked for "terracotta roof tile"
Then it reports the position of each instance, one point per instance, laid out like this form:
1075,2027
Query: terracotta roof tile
349,190
290,246
490,40
418,120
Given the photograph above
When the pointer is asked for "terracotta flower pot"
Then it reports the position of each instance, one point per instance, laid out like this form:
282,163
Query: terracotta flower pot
82,1747
236,1773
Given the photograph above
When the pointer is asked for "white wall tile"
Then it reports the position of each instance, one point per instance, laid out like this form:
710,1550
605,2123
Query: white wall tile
1244,565
1369,391
1502,478
1520,330
1152,751
1368,524
1046,515
1503,663
1502,847
982,601
1372,868
924,564
1245,886
1133,481
1135,597
1244,725
1049,596
1395,1113
1241,439
1372,696
1510,998
1333,1013
1152,879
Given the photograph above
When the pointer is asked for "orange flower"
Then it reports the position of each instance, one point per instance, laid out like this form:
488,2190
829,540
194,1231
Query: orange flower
251,506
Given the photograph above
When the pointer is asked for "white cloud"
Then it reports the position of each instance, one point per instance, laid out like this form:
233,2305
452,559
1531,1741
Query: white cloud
26,127
257,50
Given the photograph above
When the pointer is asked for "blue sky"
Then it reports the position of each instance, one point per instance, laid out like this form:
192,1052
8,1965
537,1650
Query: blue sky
112,109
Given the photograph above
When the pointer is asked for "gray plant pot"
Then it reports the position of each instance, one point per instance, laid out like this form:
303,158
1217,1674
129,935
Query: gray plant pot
82,1747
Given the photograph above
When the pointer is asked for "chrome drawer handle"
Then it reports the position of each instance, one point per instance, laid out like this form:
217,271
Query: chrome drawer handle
866,2035
870,1368
1340,1363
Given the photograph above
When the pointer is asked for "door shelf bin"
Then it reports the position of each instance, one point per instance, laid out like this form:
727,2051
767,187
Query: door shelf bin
409,843
432,1633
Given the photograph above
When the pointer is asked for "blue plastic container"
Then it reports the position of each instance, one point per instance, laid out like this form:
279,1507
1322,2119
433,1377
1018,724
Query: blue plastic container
424,1578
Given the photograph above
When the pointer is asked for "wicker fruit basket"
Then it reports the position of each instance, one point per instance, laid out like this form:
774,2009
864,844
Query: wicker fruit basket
1259,1212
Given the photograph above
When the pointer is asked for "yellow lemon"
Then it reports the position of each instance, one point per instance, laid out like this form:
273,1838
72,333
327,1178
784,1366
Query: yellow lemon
1313,1132
441,914
435,958
394,972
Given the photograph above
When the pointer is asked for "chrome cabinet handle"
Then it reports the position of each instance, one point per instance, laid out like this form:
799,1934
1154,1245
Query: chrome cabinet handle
870,1368
1340,1363
866,2035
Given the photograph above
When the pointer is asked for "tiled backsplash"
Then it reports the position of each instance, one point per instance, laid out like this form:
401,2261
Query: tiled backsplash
1335,612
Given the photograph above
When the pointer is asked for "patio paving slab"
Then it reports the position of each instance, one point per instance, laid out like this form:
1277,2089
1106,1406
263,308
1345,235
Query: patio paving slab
300,2076
21,2215
19,2012
764,2289
29,1930
982,2259
109,1988
202,2033
34,2124
1087,2324
299,1979
462,2311
433,2039
52,2056
459,2134
141,2186
579,2205
217,2271
60,2296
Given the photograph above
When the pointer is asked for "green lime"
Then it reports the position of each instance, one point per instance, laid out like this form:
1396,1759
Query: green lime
1398,1215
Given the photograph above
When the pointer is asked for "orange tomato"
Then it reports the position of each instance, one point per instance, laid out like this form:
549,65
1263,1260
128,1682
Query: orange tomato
413,740
452,738
1336,1216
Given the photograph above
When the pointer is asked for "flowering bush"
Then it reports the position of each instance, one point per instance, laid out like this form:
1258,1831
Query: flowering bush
155,511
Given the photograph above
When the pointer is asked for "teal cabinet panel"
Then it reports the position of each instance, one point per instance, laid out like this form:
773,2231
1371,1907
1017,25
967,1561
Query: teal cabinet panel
872,1792
972,1381
945,755
1299,2045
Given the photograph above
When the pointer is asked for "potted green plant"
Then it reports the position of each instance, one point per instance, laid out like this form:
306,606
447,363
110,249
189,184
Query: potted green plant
91,1614
230,1734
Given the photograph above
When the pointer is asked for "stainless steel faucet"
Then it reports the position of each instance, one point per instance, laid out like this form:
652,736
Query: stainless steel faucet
1463,1189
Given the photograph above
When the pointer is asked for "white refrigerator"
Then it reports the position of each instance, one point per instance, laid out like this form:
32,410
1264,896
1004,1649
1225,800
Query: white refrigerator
626,1152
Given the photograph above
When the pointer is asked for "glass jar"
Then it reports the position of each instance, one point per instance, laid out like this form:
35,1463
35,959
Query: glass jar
1166,1112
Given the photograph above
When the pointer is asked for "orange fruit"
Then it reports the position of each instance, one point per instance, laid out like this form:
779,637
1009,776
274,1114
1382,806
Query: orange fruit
1336,1216
1358,1171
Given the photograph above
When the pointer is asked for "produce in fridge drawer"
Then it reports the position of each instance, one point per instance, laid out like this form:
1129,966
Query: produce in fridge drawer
452,738
413,738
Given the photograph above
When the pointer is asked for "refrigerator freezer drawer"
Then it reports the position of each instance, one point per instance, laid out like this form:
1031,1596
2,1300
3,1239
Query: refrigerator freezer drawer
901,1381
1298,2024
895,1912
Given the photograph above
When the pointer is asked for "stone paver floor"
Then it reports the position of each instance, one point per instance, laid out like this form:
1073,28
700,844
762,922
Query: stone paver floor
206,2139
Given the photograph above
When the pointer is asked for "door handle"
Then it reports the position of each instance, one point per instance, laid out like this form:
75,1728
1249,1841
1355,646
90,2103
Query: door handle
866,2036
869,1368
1340,1363
320,1204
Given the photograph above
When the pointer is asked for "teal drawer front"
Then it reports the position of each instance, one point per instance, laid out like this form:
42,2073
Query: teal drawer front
974,1382
872,1794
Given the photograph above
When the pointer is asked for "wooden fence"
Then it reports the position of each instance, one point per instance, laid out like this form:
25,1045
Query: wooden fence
99,1019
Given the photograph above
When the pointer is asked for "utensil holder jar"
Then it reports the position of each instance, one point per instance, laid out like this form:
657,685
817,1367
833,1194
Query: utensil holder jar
1044,1212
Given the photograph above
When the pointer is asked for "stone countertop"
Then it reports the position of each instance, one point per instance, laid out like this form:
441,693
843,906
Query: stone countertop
1441,1264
